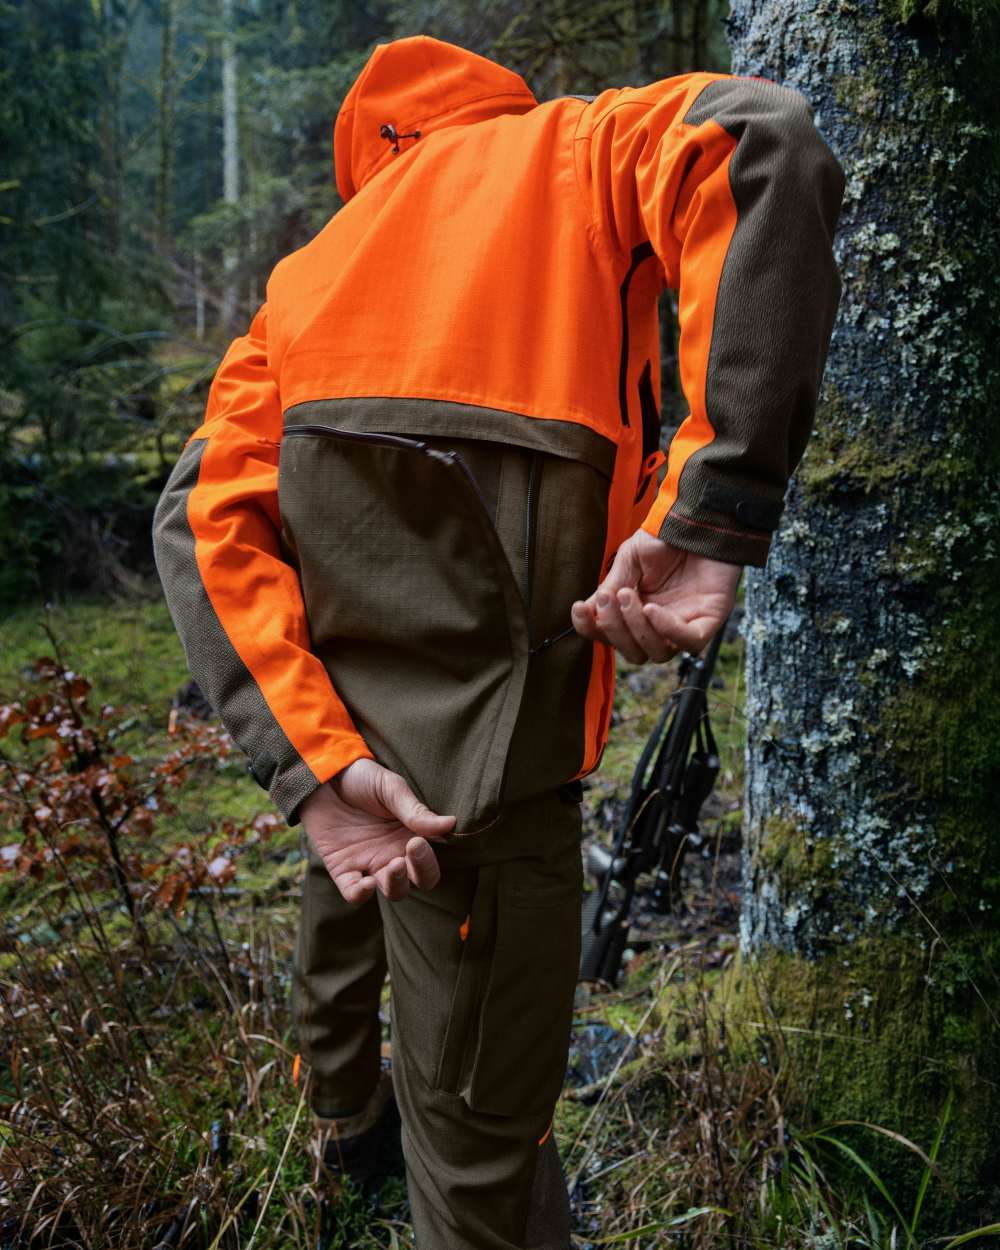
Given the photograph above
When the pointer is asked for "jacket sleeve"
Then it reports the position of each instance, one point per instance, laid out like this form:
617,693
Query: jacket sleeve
729,183
236,603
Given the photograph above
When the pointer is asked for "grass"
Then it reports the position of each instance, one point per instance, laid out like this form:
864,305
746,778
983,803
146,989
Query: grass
146,1090
129,650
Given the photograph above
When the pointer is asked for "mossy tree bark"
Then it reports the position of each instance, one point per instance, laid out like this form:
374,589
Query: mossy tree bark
871,923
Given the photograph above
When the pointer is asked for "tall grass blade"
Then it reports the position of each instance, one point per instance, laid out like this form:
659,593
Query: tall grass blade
935,1148
872,1175
693,1214
989,1230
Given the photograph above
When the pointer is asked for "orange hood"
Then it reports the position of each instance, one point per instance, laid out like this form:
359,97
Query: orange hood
417,84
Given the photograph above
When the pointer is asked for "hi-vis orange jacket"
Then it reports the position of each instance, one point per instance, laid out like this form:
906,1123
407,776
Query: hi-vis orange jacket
494,275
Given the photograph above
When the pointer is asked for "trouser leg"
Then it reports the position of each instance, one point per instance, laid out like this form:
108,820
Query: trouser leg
339,970
483,971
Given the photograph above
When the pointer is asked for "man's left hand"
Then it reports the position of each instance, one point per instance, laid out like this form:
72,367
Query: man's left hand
372,832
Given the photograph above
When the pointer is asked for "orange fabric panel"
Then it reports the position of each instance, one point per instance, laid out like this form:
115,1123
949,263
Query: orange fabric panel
654,177
705,228
404,292
441,80
484,264
597,709
233,514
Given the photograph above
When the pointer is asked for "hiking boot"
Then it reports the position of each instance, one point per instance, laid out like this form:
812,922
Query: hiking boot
364,1146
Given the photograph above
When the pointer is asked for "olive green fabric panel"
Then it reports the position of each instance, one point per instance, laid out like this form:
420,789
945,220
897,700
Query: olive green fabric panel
412,609
339,968
569,506
425,596
418,417
481,1029
715,542
772,324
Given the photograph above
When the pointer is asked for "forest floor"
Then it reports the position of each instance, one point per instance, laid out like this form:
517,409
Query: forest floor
188,1121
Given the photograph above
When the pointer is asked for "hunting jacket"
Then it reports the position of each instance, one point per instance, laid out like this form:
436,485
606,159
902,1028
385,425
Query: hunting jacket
346,583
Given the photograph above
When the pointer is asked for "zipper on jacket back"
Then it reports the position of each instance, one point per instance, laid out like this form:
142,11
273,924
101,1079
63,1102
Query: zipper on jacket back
392,440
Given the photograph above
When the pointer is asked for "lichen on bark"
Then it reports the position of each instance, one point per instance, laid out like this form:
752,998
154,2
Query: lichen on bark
873,753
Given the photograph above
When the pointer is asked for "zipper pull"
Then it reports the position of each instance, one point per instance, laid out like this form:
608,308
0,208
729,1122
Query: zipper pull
549,642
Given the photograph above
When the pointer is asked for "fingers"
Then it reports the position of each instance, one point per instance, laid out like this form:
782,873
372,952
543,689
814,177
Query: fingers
691,635
418,867
586,613
399,799
651,641
355,888
422,865
392,880
584,621
623,621
615,630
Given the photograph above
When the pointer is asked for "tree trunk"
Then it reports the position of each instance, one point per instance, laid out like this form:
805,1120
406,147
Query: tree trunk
199,300
114,40
164,174
871,922
230,159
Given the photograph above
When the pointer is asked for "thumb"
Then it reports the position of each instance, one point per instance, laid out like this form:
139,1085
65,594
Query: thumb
397,797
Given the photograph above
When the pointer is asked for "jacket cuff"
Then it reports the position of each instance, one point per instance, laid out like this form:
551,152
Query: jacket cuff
726,519
714,542
290,787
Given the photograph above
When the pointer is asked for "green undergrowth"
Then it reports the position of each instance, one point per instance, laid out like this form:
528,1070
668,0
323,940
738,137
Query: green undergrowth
184,1042
885,1033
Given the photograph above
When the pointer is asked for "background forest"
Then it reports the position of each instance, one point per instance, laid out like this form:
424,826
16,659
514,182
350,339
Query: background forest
806,1053
159,158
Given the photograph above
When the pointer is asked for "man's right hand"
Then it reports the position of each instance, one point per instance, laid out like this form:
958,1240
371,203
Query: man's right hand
657,600
372,832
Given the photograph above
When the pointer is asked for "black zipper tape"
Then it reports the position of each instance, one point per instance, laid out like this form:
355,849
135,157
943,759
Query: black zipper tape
639,254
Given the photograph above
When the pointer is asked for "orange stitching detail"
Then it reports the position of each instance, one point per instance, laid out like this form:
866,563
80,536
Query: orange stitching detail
717,529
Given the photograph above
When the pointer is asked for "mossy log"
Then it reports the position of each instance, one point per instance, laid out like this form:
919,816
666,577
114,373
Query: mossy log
870,934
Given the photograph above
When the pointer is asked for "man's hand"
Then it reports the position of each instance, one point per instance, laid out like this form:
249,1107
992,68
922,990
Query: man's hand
658,600
372,832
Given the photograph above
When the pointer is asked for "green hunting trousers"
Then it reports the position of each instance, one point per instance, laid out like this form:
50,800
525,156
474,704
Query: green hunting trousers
482,975
425,620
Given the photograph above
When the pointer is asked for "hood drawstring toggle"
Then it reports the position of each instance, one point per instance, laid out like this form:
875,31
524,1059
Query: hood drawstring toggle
388,131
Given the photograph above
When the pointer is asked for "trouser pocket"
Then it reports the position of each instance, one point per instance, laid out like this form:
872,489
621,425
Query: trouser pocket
508,1031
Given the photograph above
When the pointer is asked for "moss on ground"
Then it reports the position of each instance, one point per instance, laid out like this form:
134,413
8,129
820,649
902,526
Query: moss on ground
128,649
883,1033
